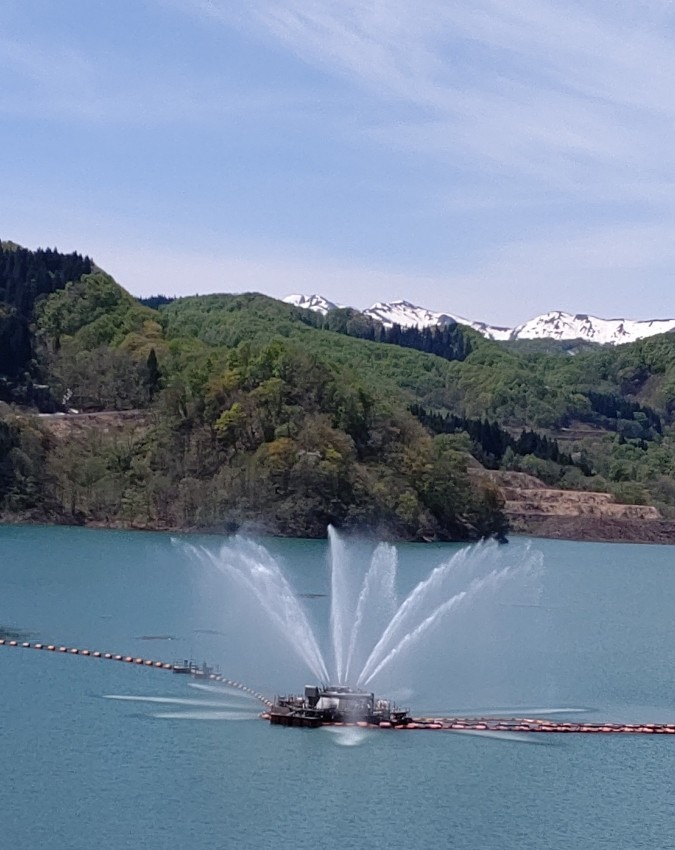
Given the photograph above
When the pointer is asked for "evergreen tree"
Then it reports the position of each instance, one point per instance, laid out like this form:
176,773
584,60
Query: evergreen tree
153,374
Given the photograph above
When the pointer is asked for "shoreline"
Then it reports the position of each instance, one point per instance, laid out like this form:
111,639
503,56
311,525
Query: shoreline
573,529
595,529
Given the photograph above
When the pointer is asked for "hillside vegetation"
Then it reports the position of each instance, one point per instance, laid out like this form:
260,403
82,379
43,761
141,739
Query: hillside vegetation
255,413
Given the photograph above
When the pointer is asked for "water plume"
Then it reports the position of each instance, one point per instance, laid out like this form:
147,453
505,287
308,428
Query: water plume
413,606
255,570
378,592
368,630
350,736
339,597
431,620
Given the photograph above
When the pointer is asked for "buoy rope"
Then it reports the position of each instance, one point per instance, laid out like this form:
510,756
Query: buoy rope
194,670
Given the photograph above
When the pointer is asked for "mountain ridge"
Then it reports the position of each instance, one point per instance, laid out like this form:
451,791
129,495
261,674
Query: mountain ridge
554,325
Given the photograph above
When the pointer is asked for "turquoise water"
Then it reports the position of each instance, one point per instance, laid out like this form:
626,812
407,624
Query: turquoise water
589,629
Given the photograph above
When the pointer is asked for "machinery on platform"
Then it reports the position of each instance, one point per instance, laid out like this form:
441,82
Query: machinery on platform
336,704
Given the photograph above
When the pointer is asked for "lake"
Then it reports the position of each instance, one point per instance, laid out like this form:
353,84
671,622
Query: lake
100,754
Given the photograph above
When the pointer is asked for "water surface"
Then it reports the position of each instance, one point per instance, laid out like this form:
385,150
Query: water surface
592,630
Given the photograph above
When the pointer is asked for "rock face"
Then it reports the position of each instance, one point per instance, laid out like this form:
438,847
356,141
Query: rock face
556,325
534,508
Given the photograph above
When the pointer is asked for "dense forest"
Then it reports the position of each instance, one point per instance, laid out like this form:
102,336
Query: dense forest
26,277
229,411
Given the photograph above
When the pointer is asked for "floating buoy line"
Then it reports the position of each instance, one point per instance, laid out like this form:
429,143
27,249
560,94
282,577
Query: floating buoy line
190,668
455,724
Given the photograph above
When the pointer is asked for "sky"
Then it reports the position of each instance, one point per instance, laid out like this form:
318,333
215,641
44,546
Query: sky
489,158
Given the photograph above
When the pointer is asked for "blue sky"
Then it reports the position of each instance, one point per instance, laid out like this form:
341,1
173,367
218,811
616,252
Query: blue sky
490,158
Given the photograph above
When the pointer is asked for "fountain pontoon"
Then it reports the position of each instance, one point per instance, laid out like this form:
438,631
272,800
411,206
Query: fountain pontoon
336,704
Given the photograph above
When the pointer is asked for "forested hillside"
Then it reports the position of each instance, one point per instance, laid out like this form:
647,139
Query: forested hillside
253,412
241,424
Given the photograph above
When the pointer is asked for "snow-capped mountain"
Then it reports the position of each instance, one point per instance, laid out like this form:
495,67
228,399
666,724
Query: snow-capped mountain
554,325
558,325
408,315
312,302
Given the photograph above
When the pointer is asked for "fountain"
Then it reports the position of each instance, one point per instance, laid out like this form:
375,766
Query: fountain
370,631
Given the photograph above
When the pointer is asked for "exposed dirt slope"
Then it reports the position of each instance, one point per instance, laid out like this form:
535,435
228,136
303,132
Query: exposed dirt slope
533,508
67,425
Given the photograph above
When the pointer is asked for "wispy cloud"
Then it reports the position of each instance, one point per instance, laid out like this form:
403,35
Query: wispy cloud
564,109
576,97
